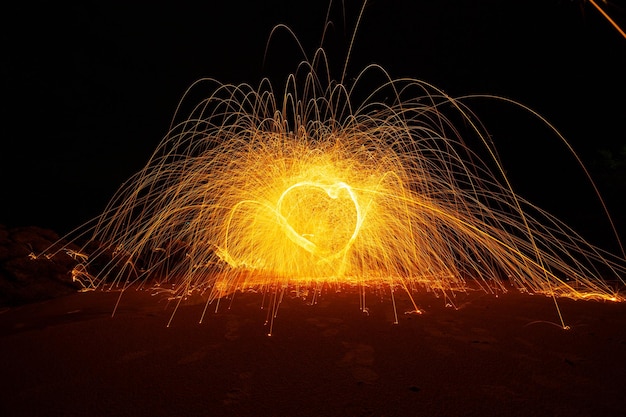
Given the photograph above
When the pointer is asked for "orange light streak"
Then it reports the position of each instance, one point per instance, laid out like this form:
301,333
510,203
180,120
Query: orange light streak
607,17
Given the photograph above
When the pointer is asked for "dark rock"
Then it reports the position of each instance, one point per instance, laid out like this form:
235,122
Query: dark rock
34,265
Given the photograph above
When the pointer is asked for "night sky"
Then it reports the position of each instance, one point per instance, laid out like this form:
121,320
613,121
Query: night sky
89,89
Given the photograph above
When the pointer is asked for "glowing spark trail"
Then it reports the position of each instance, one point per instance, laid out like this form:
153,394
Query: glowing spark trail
311,186
608,18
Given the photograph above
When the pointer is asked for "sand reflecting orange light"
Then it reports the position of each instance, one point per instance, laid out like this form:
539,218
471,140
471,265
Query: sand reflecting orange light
266,190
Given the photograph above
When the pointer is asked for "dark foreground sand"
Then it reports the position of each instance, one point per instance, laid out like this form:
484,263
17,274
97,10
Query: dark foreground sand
491,357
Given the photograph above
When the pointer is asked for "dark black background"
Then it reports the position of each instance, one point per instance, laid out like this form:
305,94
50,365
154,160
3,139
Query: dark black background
89,89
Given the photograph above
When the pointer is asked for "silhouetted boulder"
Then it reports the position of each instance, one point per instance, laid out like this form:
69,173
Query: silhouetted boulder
34,265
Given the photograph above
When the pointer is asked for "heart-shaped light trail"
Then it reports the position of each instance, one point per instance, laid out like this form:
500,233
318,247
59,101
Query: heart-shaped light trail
306,233
319,226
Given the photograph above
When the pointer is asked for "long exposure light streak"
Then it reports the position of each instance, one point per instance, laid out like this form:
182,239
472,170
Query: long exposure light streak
309,185
608,18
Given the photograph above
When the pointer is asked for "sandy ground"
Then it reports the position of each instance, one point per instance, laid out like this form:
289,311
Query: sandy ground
503,356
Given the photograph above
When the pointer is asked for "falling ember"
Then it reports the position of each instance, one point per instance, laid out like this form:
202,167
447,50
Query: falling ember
256,189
